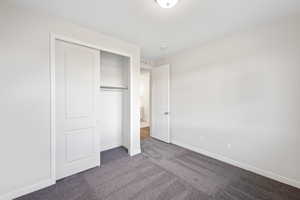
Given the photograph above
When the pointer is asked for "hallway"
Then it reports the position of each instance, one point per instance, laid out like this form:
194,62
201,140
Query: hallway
145,133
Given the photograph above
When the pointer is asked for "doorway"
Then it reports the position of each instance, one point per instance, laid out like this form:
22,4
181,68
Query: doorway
145,96
155,103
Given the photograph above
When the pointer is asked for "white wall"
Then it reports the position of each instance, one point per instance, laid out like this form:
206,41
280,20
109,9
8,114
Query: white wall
111,116
113,69
25,94
238,99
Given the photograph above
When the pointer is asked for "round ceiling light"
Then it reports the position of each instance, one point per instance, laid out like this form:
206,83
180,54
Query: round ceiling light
167,3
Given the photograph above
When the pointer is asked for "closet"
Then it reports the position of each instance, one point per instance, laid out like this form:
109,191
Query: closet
92,105
114,100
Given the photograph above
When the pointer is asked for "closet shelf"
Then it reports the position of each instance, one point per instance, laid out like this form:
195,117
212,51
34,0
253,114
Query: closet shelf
114,87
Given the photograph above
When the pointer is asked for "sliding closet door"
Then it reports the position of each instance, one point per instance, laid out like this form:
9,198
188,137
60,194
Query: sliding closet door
77,77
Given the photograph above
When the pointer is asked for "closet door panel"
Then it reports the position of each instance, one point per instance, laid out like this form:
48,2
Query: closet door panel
79,144
77,77
79,82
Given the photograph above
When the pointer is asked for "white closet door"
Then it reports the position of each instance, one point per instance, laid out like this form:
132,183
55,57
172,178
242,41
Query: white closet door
77,75
160,97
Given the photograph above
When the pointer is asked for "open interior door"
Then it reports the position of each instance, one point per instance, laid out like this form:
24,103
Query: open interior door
160,100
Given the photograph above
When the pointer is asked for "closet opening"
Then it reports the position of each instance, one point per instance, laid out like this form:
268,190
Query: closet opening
114,105
145,104
93,105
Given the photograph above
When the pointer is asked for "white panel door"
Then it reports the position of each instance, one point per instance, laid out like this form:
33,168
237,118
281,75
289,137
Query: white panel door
77,75
160,100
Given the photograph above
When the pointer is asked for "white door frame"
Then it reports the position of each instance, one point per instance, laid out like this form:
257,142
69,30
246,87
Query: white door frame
53,38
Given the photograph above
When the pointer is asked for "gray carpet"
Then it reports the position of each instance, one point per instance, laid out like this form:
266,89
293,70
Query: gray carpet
113,155
164,172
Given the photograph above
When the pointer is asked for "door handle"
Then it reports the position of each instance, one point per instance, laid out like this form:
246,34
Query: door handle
166,113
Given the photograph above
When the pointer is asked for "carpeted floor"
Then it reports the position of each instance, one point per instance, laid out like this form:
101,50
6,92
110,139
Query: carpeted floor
164,172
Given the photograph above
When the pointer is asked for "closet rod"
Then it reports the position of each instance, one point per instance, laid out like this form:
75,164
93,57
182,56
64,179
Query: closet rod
113,87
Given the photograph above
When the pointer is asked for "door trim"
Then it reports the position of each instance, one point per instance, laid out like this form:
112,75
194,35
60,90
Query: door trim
53,38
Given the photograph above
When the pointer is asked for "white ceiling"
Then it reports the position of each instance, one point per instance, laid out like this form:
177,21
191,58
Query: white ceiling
144,23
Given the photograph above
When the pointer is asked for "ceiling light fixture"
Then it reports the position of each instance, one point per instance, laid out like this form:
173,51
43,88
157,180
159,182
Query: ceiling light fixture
167,3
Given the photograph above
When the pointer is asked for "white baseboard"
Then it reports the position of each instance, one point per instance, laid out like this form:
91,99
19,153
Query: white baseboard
110,147
27,190
131,153
135,152
247,167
